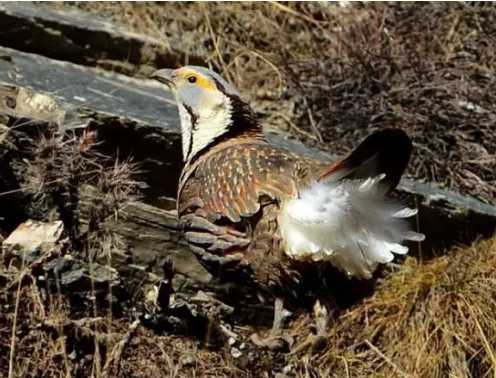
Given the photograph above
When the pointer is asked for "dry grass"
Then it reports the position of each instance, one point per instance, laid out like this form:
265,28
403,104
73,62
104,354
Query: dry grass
432,320
52,340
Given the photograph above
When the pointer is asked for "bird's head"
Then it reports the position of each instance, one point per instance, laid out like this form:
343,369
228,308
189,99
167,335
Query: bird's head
210,108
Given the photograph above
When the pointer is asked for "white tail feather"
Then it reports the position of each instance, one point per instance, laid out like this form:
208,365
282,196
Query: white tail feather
349,223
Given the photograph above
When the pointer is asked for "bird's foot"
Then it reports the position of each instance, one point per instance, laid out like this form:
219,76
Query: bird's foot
274,343
314,343
319,338
276,340
322,317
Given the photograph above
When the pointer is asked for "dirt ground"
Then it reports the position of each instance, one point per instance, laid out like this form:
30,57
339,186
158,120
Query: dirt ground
424,320
329,74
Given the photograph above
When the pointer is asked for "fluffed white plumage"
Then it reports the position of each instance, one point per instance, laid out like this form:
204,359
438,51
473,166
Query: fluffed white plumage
349,223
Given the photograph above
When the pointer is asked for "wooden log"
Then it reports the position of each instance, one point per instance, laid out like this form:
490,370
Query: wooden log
149,240
137,118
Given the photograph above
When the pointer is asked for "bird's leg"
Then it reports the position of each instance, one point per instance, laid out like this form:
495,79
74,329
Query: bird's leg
278,317
276,339
317,341
322,317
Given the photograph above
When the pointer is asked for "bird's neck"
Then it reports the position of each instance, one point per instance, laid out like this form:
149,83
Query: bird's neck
234,121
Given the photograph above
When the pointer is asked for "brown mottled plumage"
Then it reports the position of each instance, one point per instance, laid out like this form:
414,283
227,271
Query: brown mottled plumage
229,200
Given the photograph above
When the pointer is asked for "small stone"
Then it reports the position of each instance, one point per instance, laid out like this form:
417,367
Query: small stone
236,353
242,346
232,341
187,360
30,235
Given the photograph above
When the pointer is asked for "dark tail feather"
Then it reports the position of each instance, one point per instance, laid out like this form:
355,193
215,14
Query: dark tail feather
386,151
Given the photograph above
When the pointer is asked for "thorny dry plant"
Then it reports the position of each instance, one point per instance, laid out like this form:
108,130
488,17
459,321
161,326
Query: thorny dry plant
58,170
62,166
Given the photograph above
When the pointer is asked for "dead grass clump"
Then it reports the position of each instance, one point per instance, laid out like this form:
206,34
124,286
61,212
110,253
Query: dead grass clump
52,339
428,68
59,165
433,320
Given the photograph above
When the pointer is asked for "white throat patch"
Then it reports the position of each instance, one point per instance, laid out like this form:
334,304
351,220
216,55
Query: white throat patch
211,122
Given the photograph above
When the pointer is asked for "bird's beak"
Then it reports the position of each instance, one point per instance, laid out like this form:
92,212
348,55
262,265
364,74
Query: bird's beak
164,76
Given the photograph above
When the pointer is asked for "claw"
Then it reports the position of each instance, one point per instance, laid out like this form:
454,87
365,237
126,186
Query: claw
276,341
280,343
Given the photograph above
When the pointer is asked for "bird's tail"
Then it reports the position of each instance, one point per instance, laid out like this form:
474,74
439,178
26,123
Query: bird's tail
345,216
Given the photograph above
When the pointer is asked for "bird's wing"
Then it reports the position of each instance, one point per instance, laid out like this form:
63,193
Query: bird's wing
223,200
237,181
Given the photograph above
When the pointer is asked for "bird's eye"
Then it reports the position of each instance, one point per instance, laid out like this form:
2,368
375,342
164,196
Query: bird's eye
191,79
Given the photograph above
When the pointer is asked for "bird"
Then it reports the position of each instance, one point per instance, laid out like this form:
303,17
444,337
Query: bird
259,214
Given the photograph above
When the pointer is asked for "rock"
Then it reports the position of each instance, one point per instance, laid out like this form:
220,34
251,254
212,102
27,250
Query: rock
78,276
27,240
236,353
59,265
85,275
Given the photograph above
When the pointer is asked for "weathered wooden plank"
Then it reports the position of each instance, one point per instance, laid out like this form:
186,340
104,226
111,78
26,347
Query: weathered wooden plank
79,37
74,87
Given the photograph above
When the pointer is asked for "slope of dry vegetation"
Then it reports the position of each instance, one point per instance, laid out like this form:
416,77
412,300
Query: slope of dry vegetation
432,320
334,72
